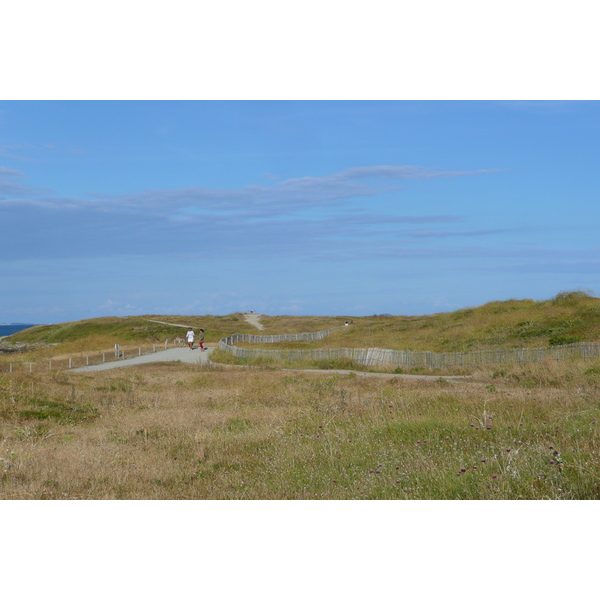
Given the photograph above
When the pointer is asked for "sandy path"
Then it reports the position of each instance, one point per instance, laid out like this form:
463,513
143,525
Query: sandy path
253,320
194,357
172,324
449,378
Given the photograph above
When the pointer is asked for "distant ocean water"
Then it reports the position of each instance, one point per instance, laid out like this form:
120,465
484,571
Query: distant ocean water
13,328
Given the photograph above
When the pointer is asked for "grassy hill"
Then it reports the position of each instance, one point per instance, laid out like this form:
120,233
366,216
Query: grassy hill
568,317
102,333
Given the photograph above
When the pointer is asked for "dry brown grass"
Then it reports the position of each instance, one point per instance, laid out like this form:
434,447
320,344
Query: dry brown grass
173,431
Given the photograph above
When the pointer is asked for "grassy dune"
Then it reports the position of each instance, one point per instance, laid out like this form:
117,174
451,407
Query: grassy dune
173,431
567,318
97,333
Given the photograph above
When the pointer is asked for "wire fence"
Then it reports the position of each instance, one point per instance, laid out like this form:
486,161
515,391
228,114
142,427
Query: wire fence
373,357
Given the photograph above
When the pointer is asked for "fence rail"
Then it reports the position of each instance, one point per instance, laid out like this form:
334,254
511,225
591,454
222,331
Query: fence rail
403,358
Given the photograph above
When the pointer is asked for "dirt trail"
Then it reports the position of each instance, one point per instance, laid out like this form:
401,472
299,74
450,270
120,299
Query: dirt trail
253,320
172,324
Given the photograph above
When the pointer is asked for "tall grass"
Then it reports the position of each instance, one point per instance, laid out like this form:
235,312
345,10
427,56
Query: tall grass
177,431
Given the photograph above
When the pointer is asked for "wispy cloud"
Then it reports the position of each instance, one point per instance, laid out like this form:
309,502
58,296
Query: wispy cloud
282,198
447,234
25,151
292,216
9,187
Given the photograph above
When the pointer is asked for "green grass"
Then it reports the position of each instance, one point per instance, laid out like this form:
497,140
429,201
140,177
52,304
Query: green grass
177,432
97,333
567,318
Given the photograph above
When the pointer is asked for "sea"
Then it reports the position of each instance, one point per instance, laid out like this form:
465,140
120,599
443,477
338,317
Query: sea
10,328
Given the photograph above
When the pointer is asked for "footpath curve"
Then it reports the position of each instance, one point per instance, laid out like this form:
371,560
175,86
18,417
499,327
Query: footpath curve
185,355
198,357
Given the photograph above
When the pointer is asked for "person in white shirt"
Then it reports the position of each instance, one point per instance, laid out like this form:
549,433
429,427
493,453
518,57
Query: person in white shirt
190,338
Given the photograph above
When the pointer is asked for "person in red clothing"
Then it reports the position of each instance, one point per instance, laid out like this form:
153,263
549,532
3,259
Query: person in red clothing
201,340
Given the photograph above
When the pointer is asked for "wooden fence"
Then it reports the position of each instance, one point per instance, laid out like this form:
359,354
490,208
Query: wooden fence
372,357
273,339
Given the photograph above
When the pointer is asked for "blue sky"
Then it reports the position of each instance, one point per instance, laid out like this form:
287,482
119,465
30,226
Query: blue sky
293,207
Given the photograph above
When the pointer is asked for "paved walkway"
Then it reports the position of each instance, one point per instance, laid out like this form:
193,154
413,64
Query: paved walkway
194,357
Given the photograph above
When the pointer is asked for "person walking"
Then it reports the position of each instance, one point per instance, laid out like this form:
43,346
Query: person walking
201,340
189,336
